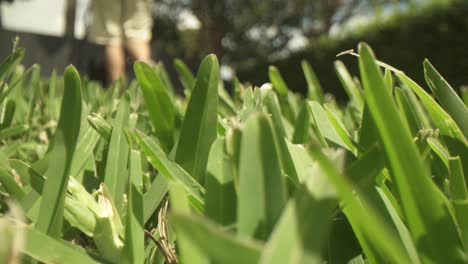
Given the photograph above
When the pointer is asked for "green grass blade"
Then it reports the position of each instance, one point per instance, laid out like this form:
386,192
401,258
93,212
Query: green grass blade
447,97
407,111
49,250
189,252
161,71
199,129
84,150
271,102
339,128
214,242
116,175
154,196
101,126
133,251
327,128
459,195
314,89
8,114
442,120
299,236
424,207
464,92
168,168
262,189
302,125
376,239
186,77
65,139
13,131
368,134
10,62
11,186
220,199
277,81
353,91
159,104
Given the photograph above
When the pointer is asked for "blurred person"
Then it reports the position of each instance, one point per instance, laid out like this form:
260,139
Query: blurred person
120,24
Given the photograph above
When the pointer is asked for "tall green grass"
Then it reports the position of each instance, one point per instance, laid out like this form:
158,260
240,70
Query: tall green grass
92,175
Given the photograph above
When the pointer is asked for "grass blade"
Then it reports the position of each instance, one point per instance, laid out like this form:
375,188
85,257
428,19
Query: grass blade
214,242
185,76
199,128
61,156
159,104
262,190
133,251
447,97
220,199
49,250
442,120
277,81
10,62
353,91
424,206
168,168
314,89
116,175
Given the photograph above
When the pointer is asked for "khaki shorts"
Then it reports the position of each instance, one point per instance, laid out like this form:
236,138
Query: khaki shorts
116,21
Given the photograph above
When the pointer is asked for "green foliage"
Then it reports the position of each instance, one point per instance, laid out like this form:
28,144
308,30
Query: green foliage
264,176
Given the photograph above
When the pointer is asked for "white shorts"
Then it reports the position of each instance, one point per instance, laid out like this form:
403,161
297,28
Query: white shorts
116,21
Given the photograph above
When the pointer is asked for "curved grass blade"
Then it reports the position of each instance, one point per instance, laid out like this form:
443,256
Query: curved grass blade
442,120
314,89
61,156
84,149
159,104
329,127
376,239
425,208
16,83
353,91
10,62
11,186
168,168
262,189
186,77
101,126
199,129
447,97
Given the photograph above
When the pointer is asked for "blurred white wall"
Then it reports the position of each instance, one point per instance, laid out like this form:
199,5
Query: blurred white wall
45,17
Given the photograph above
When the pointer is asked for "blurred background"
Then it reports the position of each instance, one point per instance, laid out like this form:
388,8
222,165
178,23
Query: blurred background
250,35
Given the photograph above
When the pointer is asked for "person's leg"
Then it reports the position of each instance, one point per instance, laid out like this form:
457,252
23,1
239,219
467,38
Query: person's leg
139,49
137,26
115,61
106,29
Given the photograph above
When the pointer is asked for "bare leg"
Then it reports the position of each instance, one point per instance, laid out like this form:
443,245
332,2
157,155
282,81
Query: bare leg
115,61
140,50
